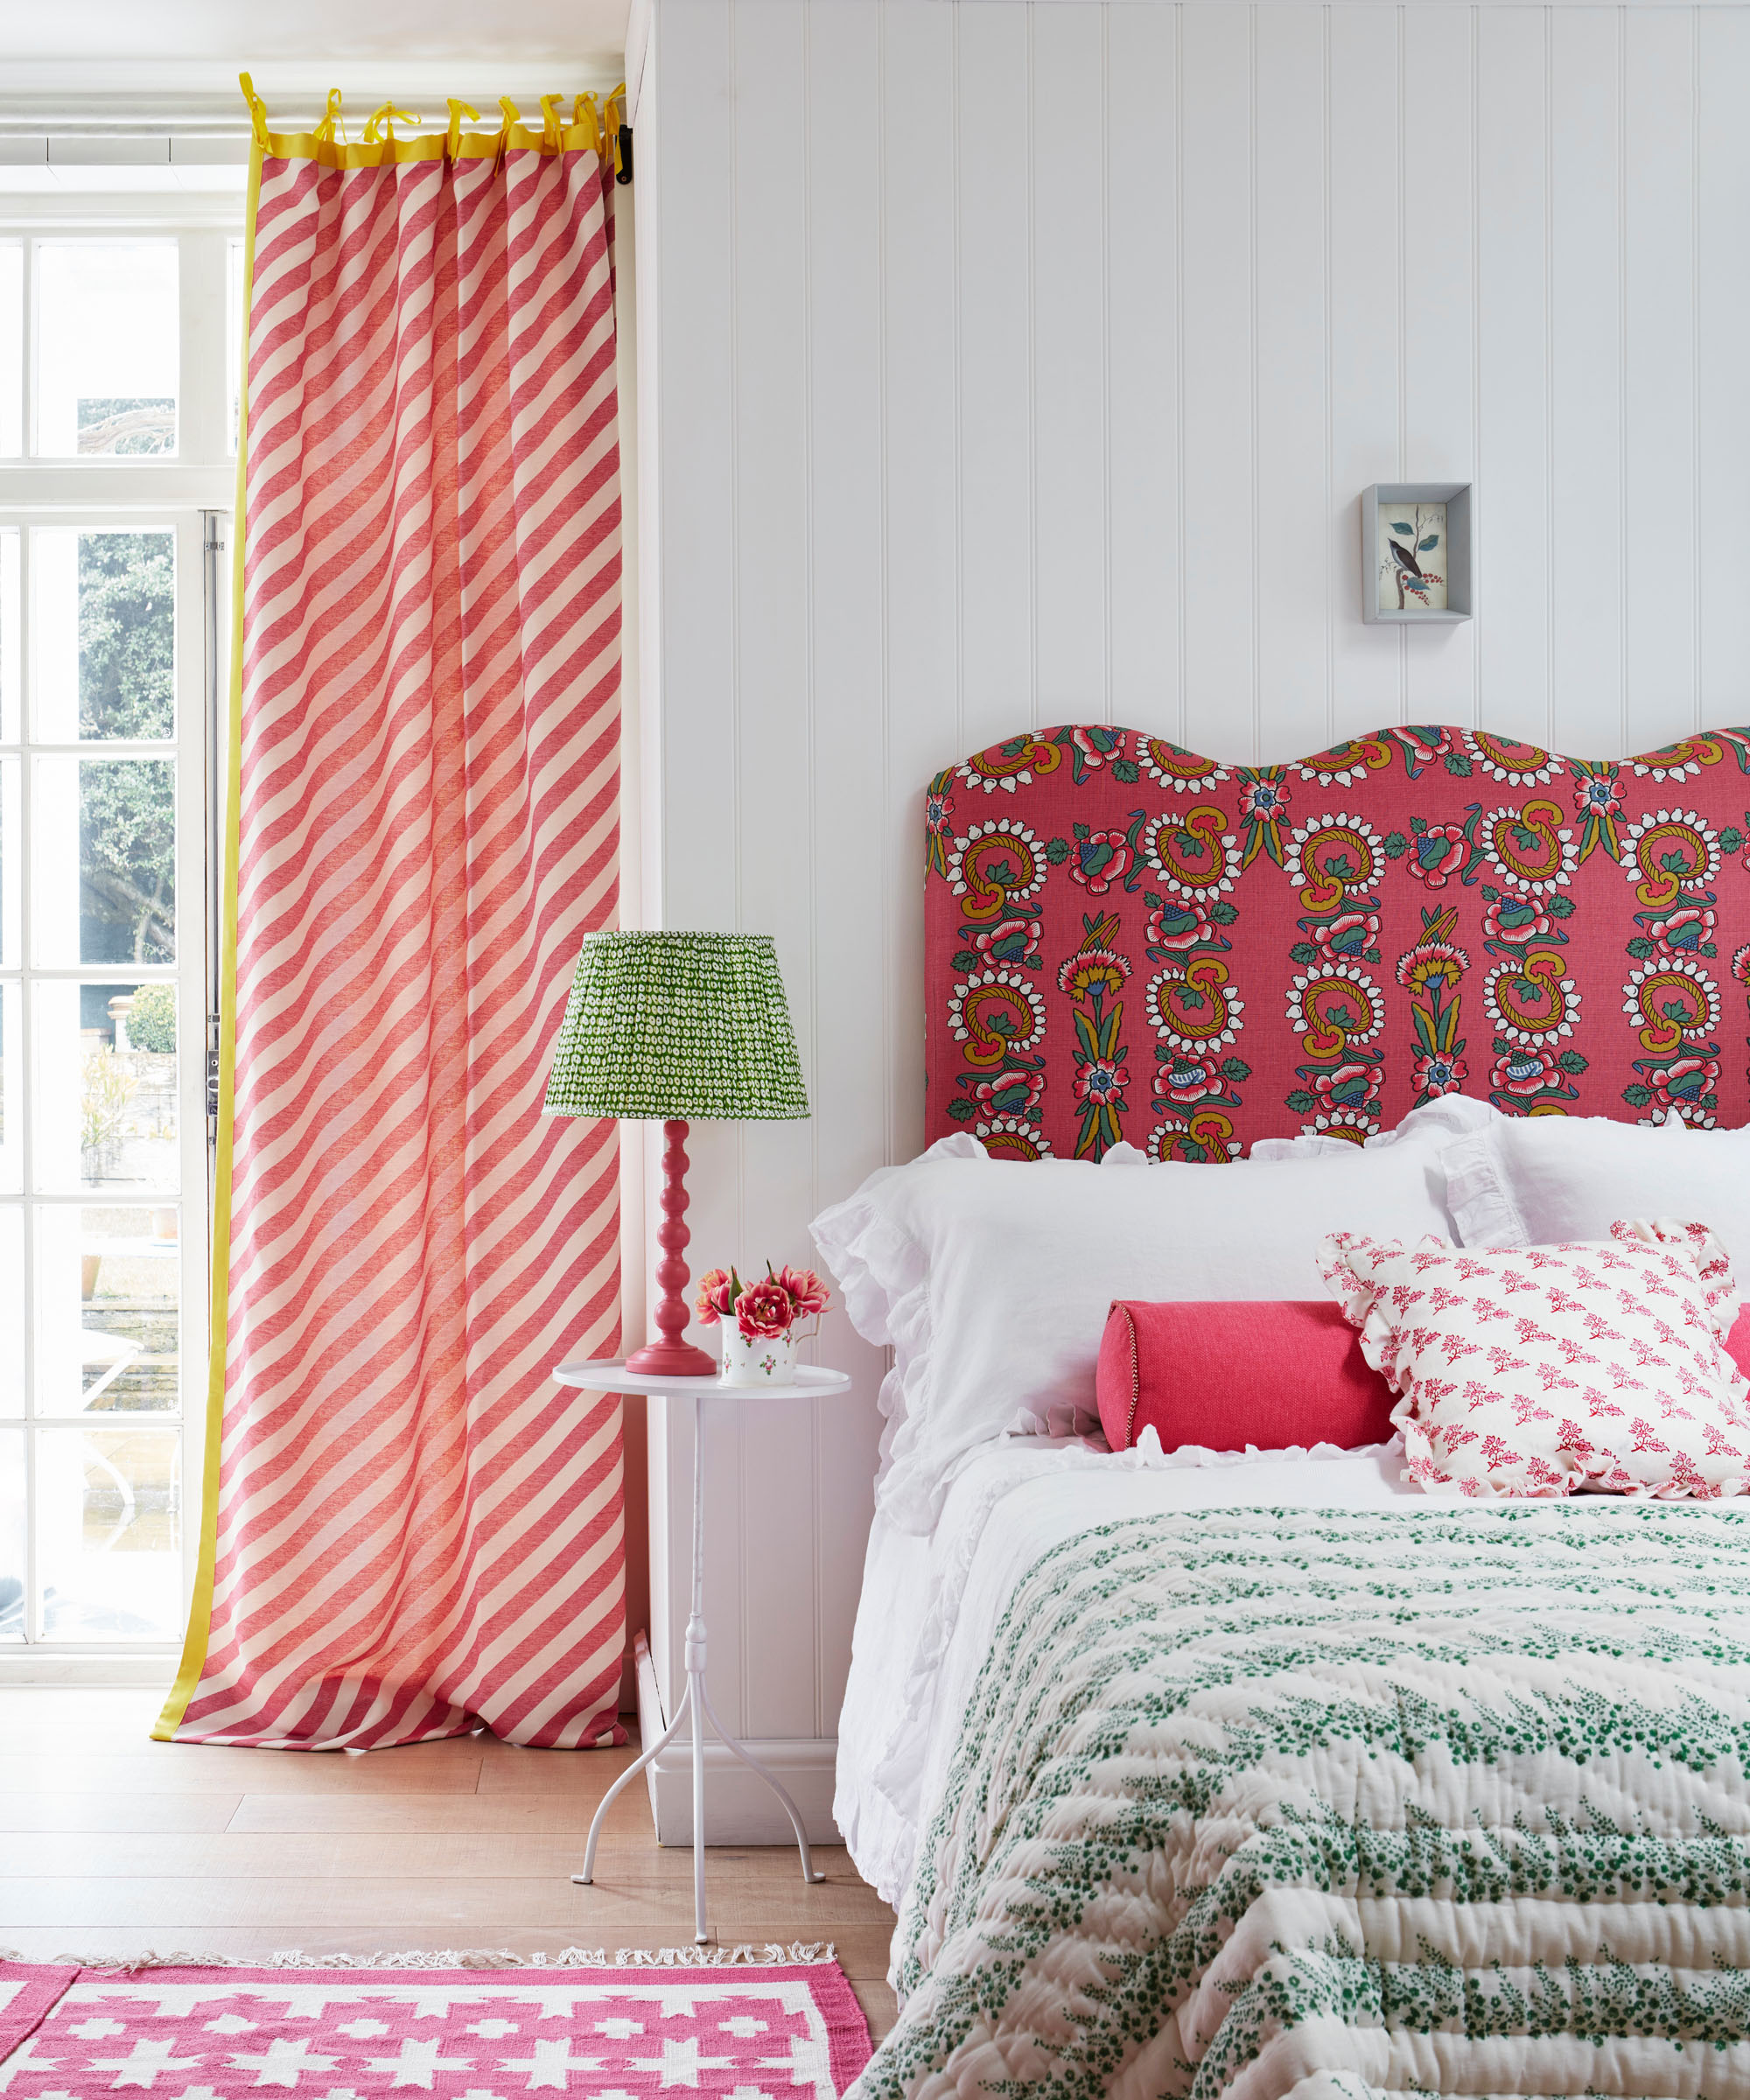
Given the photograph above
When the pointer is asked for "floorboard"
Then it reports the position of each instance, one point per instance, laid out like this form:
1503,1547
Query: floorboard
111,1846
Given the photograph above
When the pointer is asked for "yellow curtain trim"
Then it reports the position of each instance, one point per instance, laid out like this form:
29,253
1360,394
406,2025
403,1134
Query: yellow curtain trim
201,1608
595,127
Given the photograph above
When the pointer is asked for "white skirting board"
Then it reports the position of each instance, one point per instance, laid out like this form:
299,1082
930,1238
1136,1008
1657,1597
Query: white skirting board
739,1808
105,1672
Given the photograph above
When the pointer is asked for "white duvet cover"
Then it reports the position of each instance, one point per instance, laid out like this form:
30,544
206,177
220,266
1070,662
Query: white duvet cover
931,1604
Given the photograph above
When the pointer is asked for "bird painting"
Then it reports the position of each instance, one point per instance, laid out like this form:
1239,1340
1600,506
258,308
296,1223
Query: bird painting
1403,541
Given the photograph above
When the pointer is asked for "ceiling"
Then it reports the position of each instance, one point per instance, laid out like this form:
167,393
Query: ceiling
92,58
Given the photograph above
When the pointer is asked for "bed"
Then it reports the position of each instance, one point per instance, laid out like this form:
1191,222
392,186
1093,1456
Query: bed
1214,1773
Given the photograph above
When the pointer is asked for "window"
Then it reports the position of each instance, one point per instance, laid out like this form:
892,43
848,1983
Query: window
117,420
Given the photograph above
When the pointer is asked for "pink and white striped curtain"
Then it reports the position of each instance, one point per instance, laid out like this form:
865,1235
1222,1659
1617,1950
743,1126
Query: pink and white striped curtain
409,1529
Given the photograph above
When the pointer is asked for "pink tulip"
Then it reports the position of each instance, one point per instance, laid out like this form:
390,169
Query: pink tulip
764,1312
718,1290
807,1293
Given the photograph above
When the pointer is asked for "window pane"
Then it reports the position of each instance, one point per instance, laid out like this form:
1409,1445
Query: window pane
12,1089
106,1333
10,835
11,348
11,1315
104,644
10,632
12,1534
105,1104
109,1534
104,848
107,344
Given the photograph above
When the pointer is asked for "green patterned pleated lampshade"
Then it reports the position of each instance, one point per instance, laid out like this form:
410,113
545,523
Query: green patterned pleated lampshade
689,1026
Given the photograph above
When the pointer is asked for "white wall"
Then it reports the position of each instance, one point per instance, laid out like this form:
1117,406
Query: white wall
1010,364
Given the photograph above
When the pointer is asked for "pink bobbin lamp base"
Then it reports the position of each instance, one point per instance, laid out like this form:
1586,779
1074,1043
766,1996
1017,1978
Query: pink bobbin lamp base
672,1359
669,1356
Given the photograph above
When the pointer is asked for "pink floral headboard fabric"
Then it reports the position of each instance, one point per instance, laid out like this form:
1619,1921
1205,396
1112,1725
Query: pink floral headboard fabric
1126,941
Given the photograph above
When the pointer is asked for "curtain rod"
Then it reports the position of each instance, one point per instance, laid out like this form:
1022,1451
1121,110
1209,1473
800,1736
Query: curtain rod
39,146
96,139
596,121
44,114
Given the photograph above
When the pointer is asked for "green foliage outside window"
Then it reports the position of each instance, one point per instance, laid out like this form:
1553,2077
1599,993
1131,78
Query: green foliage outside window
127,645
152,1018
126,856
126,666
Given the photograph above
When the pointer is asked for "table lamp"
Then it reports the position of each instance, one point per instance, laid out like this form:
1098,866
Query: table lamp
677,1027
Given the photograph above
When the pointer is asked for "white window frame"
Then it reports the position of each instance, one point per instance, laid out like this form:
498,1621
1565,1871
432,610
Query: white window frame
191,491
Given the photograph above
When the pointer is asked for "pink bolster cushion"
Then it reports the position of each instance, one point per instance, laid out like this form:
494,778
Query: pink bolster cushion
1229,1373
1738,1342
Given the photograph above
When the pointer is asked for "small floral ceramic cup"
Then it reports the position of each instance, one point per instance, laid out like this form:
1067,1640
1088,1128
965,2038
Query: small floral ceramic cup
757,1359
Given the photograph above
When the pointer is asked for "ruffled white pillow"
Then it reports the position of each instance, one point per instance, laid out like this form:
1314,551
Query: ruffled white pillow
1541,1370
1539,1180
992,1279
1448,1116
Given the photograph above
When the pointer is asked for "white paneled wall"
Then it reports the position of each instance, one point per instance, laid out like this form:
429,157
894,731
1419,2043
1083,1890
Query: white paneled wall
1004,364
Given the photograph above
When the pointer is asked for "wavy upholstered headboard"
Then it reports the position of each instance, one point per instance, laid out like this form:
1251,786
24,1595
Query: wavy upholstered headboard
1124,940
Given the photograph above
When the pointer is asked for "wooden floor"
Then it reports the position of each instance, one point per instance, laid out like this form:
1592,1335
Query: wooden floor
113,1845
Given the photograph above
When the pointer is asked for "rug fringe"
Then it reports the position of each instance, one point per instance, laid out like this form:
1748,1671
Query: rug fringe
773,1955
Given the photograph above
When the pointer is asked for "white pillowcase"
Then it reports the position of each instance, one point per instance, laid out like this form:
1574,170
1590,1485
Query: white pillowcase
1537,1180
1454,1114
992,1279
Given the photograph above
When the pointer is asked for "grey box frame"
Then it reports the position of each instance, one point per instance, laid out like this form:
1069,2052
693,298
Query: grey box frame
1456,495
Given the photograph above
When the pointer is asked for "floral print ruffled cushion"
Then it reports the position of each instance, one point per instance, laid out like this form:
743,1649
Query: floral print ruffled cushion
1545,1370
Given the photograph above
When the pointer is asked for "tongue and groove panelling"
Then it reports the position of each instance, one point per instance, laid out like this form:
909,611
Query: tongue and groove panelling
1005,366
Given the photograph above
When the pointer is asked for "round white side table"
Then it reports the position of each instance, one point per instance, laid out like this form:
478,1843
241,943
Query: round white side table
613,1377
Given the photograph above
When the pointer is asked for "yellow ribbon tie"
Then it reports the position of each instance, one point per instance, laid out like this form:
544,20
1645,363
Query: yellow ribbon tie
511,116
458,111
584,112
258,108
381,129
613,117
332,122
552,128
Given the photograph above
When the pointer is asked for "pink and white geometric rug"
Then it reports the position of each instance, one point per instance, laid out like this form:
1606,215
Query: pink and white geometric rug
721,2032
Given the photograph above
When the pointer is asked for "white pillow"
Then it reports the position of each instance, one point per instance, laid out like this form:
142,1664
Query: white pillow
992,1279
1537,1180
1453,1114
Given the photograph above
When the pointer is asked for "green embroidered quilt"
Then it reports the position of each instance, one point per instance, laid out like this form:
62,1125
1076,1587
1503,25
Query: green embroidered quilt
1430,1801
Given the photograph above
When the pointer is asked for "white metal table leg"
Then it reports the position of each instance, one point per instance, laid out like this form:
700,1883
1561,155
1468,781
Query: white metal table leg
696,1704
695,1670
748,1759
625,1780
